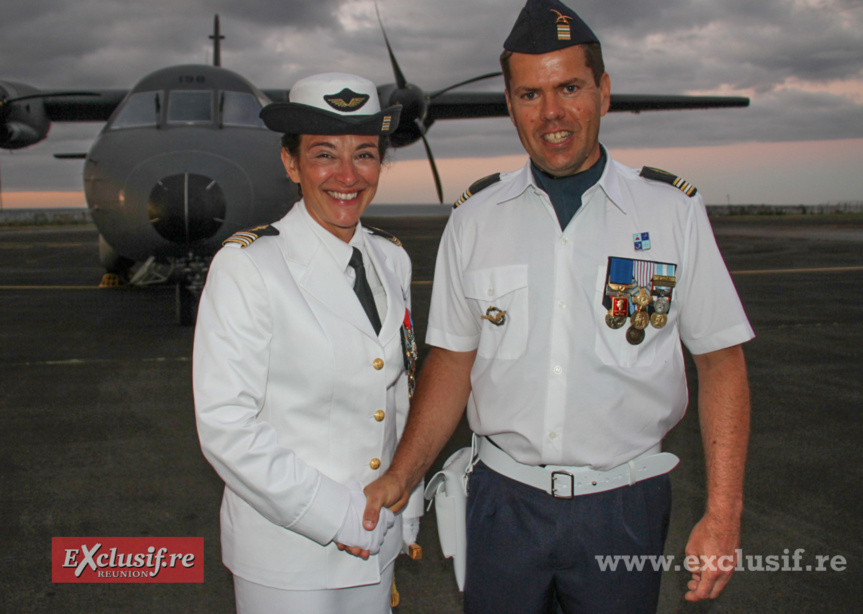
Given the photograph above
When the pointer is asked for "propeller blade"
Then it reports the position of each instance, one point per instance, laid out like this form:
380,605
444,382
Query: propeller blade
397,72
452,87
437,183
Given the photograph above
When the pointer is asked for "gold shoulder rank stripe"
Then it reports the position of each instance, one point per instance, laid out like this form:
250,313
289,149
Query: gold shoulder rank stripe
648,172
245,238
384,234
475,187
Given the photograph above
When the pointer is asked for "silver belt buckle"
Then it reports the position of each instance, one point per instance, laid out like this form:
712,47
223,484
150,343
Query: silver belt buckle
562,489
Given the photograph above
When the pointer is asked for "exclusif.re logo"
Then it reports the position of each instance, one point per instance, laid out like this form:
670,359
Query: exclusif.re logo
127,559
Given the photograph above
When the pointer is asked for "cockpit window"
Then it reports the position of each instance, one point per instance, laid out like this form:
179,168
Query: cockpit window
190,107
141,109
240,109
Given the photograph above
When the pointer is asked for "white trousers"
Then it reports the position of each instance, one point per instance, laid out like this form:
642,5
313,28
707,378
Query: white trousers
370,599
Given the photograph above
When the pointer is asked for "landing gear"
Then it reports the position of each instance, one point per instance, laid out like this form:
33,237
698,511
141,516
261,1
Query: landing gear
189,288
187,305
116,267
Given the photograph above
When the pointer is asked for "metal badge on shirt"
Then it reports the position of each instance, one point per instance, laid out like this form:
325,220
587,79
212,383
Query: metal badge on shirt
638,291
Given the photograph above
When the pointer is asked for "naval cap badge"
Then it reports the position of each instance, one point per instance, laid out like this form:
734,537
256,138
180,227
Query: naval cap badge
346,101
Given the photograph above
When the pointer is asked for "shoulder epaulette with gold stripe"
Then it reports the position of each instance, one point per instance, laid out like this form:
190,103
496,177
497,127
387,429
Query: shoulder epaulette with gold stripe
245,238
384,234
657,174
475,187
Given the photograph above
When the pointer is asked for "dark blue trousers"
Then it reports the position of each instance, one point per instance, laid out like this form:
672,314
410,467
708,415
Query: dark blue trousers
528,552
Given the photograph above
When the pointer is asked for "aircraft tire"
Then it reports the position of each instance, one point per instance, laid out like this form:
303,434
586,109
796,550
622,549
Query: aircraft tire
187,305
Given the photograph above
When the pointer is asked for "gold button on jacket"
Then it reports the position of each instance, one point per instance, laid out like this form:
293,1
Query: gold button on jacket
380,415
375,463
378,363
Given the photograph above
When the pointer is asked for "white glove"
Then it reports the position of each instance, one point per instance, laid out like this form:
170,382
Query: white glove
353,533
410,530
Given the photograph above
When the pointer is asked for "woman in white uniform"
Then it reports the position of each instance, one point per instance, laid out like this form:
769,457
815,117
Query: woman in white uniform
302,360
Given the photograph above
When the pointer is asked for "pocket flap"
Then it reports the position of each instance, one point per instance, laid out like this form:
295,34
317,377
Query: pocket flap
489,284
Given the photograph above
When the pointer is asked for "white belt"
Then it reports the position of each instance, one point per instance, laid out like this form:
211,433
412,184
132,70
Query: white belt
567,482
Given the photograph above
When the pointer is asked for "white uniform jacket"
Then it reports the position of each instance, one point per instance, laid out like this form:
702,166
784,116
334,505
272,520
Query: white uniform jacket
294,396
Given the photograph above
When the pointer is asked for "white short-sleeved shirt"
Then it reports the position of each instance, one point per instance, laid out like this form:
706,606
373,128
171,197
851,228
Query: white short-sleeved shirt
552,382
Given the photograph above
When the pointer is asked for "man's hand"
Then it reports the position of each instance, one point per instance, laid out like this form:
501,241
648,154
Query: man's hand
386,491
353,537
711,556
723,410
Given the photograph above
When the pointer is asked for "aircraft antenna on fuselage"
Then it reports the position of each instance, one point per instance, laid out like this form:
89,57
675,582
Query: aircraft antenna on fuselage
217,46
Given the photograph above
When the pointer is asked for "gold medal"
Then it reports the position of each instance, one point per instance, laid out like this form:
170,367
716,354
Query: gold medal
614,321
640,320
642,298
634,335
658,320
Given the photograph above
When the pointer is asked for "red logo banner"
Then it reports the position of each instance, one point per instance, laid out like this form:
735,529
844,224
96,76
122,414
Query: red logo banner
127,559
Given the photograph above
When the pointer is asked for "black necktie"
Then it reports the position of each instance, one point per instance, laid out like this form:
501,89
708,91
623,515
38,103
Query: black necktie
364,292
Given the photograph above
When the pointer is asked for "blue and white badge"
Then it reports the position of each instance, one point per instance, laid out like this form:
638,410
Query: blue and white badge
641,241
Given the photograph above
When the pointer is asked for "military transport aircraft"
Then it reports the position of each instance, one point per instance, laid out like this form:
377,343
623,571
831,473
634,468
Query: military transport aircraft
184,161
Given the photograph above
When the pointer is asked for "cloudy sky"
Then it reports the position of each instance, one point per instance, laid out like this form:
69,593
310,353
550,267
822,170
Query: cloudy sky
800,61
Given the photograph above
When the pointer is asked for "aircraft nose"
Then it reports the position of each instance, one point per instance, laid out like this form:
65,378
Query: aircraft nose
186,208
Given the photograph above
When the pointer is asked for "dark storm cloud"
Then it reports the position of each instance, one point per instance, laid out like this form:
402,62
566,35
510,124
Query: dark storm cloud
786,54
287,13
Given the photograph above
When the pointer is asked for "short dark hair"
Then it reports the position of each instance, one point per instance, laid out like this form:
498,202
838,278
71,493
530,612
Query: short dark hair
592,56
291,142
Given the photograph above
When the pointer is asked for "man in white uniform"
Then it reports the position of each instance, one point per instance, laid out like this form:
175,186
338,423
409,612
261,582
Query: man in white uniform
562,295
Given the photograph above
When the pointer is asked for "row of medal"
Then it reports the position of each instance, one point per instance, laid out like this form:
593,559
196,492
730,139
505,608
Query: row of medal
409,350
640,306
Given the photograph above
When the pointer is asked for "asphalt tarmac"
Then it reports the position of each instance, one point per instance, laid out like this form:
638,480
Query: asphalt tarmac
97,432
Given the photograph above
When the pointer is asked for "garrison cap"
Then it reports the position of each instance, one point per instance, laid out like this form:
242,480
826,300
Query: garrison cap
332,103
544,26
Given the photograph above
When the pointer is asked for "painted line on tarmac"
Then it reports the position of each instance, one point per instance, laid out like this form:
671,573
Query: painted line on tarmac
840,269
54,288
85,361
836,269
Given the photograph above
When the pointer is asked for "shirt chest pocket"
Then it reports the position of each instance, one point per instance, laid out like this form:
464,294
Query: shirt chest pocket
499,296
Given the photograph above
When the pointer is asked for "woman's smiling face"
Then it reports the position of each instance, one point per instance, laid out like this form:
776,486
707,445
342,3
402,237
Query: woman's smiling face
339,177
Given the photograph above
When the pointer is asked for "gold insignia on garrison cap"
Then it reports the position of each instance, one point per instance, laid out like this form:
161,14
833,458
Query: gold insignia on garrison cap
564,33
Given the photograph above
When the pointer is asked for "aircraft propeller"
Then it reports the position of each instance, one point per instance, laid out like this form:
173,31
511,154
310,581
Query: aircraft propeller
415,103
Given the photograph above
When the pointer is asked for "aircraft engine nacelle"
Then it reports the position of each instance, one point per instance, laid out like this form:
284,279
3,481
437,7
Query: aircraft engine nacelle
414,116
23,120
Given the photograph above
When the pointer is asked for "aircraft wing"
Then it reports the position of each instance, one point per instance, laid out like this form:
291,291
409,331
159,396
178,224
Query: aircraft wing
83,106
465,105
635,103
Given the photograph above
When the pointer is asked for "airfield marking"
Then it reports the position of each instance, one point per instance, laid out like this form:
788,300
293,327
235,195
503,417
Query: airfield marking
80,361
54,288
838,269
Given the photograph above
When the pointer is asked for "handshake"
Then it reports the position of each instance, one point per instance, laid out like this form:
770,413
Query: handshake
355,538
